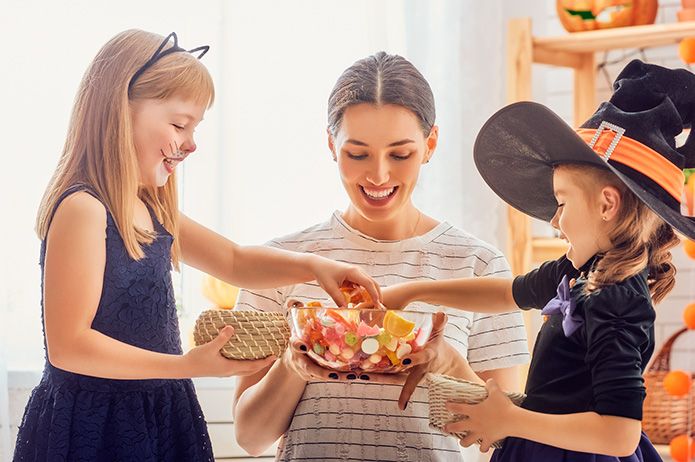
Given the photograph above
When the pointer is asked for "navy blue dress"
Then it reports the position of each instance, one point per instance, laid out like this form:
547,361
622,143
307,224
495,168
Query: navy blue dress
73,417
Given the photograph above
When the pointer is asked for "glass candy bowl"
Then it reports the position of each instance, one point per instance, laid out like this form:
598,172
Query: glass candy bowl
359,340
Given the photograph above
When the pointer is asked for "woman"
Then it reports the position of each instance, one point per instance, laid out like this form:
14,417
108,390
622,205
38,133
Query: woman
381,131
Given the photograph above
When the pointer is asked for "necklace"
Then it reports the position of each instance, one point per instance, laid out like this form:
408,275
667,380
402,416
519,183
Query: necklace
417,223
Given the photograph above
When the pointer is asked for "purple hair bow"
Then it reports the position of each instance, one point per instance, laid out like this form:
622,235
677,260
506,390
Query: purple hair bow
564,304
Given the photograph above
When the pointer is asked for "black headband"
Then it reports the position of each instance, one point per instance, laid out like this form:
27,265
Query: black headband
159,54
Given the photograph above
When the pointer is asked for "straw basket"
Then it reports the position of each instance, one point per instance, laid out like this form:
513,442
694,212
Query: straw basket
257,334
665,416
443,388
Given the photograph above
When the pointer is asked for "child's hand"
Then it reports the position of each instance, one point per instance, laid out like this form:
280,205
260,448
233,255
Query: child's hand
486,421
331,276
207,361
394,297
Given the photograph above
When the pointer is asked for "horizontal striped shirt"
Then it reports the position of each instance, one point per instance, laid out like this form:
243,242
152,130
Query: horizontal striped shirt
361,420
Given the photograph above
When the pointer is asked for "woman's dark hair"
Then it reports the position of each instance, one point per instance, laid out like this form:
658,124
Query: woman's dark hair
382,79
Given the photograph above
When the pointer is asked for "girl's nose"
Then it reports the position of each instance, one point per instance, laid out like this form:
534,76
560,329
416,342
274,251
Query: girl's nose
555,221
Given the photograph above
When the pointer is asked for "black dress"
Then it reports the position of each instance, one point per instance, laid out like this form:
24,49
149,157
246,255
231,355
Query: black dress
589,355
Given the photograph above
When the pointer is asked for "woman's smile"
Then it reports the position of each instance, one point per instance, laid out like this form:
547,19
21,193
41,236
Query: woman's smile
379,196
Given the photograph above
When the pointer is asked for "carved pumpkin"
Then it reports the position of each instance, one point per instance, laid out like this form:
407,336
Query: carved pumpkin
581,15
218,292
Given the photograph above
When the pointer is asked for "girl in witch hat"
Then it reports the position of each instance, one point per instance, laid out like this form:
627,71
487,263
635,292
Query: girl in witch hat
612,189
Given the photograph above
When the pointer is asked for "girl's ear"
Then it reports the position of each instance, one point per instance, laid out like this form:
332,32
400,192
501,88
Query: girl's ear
609,202
331,144
431,143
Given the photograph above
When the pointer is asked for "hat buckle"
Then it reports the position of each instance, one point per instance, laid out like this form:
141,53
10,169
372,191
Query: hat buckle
607,126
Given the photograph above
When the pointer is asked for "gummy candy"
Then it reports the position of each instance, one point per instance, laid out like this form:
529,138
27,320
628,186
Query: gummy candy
351,340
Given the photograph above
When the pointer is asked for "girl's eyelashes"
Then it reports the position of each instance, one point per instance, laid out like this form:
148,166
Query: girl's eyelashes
178,127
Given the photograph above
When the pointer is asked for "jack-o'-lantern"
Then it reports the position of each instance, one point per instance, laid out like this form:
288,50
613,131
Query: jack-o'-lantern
581,15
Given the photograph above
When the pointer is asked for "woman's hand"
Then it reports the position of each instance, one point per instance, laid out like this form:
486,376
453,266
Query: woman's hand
438,357
486,421
207,361
332,275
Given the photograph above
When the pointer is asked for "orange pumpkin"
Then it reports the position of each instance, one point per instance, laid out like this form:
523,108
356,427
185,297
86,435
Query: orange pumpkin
581,15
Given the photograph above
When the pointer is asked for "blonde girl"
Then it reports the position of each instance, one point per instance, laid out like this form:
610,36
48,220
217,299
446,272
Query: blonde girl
612,189
116,385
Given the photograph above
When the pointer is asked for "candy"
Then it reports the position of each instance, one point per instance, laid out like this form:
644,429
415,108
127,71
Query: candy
393,344
370,345
403,350
384,338
393,358
335,349
365,330
351,338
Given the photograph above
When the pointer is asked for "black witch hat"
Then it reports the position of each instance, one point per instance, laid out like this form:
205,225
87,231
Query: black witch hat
633,135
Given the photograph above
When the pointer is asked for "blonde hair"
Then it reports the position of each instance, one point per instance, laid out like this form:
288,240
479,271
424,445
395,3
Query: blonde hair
639,240
99,150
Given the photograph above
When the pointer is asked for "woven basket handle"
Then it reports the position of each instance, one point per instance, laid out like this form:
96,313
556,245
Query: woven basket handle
662,361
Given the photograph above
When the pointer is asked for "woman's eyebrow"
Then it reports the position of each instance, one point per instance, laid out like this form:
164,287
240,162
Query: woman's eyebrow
395,143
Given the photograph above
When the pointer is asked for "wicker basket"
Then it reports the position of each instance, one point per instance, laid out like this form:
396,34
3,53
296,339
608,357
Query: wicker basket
257,334
666,416
443,388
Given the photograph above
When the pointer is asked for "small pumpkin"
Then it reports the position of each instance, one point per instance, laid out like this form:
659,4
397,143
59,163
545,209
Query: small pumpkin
219,292
583,15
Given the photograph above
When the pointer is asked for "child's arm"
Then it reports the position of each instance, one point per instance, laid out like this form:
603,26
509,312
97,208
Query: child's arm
497,417
260,267
74,273
480,294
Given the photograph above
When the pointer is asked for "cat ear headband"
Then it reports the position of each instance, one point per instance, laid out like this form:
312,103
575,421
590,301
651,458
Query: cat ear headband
160,53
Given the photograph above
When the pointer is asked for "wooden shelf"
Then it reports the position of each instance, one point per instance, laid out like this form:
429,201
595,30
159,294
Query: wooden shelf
576,51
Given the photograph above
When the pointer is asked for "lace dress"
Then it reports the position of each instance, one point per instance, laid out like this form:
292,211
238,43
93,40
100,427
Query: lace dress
73,417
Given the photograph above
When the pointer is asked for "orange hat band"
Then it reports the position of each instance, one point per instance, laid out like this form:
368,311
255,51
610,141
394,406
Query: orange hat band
635,155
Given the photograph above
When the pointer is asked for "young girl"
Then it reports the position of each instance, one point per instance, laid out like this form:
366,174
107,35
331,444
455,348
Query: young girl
116,385
381,131
613,191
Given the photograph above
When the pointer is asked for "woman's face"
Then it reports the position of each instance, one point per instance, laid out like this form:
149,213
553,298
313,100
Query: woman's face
163,135
379,151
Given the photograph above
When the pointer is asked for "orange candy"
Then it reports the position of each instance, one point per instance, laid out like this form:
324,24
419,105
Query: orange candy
686,50
689,316
682,448
677,383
